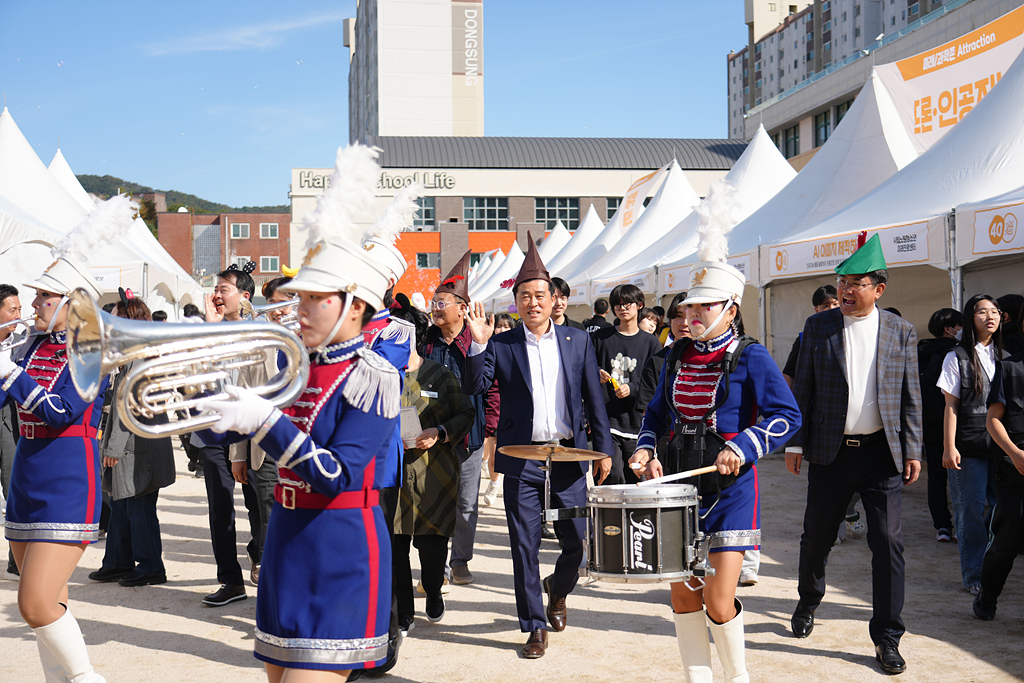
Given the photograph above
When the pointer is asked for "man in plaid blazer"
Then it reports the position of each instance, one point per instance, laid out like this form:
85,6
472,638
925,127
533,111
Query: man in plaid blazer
858,390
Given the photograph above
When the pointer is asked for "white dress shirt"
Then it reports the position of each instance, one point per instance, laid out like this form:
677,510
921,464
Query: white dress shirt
551,420
949,380
860,336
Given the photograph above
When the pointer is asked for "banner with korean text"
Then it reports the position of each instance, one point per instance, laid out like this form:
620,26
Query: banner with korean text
935,89
676,278
637,193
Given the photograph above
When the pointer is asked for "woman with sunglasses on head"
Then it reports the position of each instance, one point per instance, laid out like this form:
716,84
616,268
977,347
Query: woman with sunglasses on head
717,382
968,451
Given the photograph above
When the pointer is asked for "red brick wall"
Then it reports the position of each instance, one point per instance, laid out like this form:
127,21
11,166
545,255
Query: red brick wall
255,246
175,235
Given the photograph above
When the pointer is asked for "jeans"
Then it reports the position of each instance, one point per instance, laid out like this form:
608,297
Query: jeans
133,536
467,505
972,488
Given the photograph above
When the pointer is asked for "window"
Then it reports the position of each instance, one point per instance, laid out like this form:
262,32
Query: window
239,261
822,128
844,16
841,110
892,20
550,210
268,264
856,32
268,231
428,260
792,9
795,65
827,47
239,231
485,213
425,217
856,10
827,26
915,8
826,6
475,259
613,206
792,138
771,6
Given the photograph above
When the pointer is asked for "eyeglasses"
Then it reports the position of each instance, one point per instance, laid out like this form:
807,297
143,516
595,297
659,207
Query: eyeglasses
439,305
843,283
989,313
624,305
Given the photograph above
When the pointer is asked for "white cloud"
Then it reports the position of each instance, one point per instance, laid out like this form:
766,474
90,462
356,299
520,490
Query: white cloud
256,37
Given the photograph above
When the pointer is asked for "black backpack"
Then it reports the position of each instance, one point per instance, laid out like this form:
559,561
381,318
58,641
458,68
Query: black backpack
687,451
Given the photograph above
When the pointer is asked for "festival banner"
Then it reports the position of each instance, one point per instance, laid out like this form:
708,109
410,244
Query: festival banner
107,277
902,245
935,89
644,280
995,230
634,198
677,278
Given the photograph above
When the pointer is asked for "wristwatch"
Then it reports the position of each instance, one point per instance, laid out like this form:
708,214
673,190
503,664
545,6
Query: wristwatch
442,434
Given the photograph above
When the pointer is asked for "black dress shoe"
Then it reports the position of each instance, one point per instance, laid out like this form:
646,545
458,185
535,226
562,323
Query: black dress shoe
802,622
536,644
888,655
137,578
110,575
225,595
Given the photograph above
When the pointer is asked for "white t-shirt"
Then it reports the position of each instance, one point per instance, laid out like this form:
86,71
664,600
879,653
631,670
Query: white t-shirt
861,342
949,380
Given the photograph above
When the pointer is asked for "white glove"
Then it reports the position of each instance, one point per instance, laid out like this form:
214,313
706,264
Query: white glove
6,367
244,413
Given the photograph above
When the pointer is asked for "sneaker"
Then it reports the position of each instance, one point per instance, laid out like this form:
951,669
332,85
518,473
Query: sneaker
984,607
973,590
943,536
461,575
491,494
225,595
856,529
445,588
485,471
748,577
435,608
406,624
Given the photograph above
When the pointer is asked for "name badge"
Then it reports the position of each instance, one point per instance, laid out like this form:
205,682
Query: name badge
428,394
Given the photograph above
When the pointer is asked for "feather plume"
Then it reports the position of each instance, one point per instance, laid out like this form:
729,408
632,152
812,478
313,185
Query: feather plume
348,199
718,215
108,222
399,214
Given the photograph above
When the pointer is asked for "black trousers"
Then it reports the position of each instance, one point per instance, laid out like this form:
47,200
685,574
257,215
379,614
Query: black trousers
1007,526
937,480
220,496
433,552
870,471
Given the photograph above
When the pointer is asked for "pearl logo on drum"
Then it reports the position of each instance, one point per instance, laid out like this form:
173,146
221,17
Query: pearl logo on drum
639,531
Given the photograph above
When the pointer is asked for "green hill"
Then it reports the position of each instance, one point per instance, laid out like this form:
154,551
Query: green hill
108,186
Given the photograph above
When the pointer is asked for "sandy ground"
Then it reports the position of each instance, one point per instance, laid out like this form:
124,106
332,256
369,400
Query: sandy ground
616,632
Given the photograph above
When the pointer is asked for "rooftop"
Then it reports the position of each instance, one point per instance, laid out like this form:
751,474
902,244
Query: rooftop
567,153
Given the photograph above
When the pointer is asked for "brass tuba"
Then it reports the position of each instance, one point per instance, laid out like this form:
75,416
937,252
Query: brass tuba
176,365
16,339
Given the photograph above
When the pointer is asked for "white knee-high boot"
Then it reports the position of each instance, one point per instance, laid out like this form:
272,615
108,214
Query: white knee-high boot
694,647
728,639
52,670
63,638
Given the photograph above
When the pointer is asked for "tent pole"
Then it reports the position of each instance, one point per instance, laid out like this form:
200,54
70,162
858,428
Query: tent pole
956,273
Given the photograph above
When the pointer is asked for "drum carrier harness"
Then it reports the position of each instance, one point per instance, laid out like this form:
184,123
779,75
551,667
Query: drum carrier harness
694,445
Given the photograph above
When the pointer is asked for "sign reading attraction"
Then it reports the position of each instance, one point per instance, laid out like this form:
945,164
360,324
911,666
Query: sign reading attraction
902,245
935,89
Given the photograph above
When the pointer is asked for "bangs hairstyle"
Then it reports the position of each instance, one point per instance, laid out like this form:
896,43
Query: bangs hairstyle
648,313
673,308
240,279
943,318
823,295
561,286
270,287
627,294
968,340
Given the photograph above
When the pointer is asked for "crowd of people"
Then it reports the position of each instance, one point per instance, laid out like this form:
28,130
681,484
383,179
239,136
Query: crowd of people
405,411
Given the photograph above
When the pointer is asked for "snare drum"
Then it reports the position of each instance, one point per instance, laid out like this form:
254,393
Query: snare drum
642,534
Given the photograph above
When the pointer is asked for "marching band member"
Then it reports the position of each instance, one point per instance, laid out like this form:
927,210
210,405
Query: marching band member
698,375
324,592
55,497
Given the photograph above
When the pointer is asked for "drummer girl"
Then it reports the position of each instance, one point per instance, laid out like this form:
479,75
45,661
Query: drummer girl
324,596
691,384
54,507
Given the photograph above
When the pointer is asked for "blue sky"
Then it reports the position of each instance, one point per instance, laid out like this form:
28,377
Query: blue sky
221,99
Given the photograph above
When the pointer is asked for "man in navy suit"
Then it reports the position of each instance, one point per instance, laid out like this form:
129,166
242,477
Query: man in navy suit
550,391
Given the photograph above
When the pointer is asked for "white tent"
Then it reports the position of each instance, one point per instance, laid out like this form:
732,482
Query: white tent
589,229
759,173
672,204
979,157
480,267
496,261
509,268
989,244
554,242
40,202
166,288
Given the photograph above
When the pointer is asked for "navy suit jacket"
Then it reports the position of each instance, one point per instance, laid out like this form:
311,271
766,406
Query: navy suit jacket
506,361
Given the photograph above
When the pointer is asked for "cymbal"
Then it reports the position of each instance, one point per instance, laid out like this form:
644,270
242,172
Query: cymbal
558,453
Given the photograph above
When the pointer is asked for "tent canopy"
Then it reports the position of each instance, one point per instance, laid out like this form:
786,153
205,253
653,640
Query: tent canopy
554,242
589,229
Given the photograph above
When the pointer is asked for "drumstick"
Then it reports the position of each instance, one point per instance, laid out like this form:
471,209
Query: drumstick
682,475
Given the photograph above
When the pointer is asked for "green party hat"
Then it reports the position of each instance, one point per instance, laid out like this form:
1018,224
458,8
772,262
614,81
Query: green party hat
867,259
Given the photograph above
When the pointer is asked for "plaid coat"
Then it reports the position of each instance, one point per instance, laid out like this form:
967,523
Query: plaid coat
427,497
822,391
